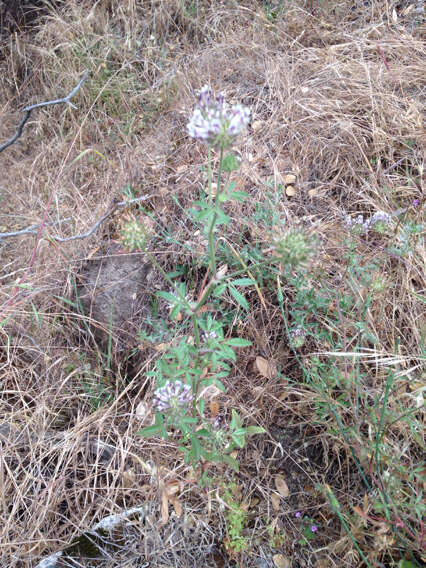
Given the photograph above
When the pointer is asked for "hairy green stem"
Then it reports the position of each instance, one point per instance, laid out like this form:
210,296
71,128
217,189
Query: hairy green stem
212,251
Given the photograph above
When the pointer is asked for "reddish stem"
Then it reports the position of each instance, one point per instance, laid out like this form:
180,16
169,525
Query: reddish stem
382,55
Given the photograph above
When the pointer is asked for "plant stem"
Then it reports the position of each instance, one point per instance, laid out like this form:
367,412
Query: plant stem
212,251
209,174
196,330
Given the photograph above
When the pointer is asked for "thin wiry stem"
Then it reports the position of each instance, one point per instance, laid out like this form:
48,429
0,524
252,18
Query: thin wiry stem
29,109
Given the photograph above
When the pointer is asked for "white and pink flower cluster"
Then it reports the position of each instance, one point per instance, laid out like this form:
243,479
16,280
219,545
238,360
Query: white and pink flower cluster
172,396
378,222
214,122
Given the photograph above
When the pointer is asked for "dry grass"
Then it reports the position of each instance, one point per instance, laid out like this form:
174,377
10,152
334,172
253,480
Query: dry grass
336,91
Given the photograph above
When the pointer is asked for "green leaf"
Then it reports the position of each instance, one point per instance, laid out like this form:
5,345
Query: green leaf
231,462
196,449
171,298
220,290
238,342
230,163
406,564
73,304
149,431
239,298
421,298
222,217
225,353
219,385
239,432
205,213
174,312
188,420
251,430
239,440
238,195
204,433
236,421
243,282
175,273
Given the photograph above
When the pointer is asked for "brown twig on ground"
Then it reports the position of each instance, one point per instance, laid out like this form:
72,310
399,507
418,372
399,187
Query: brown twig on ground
29,109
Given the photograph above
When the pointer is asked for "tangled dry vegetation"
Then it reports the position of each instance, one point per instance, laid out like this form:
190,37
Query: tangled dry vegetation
336,91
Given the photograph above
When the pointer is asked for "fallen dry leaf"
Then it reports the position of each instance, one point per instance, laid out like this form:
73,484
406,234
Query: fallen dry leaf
276,501
281,561
164,508
177,506
213,189
143,411
290,191
313,192
214,408
266,368
222,271
289,179
172,488
281,486
257,124
178,316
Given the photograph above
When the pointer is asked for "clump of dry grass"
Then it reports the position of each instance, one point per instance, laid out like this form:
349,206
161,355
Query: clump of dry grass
336,94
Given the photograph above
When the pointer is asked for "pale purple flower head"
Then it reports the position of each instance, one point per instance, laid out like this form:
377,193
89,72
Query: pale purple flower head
172,395
378,222
214,122
357,224
380,217
298,515
314,528
298,336
416,202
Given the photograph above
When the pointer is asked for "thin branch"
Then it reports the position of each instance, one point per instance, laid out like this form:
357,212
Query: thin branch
115,206
34,229
28,109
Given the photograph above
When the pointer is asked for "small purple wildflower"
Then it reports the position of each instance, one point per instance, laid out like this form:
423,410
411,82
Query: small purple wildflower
357,225
297,332
380,218
378,222
416,202
214,121
172,395
298,336
314,528
298,515
210,335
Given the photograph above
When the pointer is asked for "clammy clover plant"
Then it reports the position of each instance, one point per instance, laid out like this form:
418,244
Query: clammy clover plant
205,356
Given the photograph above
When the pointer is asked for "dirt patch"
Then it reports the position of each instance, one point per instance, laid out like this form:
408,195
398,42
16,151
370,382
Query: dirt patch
114,294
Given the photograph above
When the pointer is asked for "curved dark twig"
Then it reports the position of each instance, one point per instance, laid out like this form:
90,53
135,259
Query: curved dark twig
29,109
